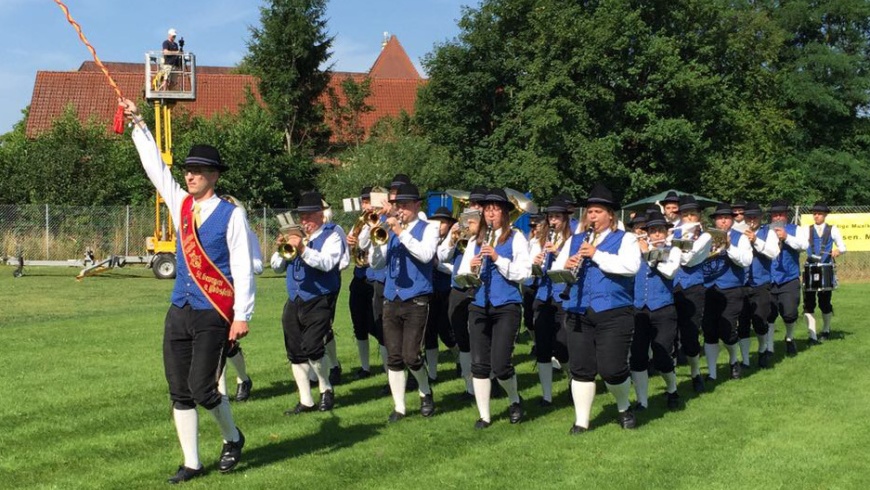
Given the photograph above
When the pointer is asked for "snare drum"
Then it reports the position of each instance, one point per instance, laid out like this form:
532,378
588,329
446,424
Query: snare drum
819,277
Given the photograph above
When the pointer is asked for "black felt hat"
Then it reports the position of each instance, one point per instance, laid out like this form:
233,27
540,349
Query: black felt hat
406,193
442,213
205,156
602,196
477,194
722,209
820,207
656,218
557,205
398,180
366,192
752,210
688,203
310,202
496,194
639,220
779,206
671,197
567,198
738,204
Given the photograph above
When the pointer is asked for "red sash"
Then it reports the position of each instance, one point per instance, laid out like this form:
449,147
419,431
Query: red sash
210,280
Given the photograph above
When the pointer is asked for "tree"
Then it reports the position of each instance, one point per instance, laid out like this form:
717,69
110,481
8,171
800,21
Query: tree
287,53
347,108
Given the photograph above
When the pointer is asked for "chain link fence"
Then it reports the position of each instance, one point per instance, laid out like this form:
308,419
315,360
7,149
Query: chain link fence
63,234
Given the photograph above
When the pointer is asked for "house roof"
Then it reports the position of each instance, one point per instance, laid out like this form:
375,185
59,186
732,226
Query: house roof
393,90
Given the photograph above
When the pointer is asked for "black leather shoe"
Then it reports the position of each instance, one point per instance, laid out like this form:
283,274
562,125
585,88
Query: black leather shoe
362,374
812,342
790,347
395,417
427,405
385,391
544,403
639,407
627,419
243,390
576,429
825,336
327,401
467,397
231,453
482,424
184,474
515,412
763,360
736,370
698,384
300,408
673,401
335,375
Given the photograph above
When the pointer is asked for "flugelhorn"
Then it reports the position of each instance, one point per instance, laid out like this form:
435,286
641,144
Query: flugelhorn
366,218
289,252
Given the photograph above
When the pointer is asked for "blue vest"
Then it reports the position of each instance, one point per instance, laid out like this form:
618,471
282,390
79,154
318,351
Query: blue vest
496,290
652,289
213,236
822,245
457,259
687,277
786,266
547,289
721,271
359,272
407,277
759,271
306,282
594,288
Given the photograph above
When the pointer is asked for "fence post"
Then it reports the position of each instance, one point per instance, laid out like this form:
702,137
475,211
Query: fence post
127,232
263,227
46,232
797,214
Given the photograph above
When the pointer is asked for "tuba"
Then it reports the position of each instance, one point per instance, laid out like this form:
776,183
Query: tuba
522,204
460,201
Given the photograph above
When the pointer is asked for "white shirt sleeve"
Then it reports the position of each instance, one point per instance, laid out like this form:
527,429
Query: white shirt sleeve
799,241
768,247
626,262
520,267
240,265
668,267
328,257
256,253
158,173
424,249
742,253
837,237
279,265
446,250
465,264
699,253
564,255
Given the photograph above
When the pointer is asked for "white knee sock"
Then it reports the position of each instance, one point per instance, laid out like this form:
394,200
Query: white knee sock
238,362
621,392
397,381
670,381
332,354
732,353
695,365
432,362
582,393
762,342
789,331
422,380
224,418
770,336
384,355
465,367
362,346
187,427
545,374
319,368
222,382
510,387
303,384
482,391
745,344
640,379
711,352
826,322
811,324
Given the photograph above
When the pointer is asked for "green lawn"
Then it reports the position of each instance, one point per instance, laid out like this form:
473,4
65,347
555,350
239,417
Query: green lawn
84,404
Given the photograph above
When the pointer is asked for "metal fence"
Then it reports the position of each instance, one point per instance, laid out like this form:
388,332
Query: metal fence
66,233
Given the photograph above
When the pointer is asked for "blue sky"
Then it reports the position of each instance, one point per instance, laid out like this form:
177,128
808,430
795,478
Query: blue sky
35,35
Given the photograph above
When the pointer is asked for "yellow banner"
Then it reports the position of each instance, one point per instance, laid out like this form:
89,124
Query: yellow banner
855,228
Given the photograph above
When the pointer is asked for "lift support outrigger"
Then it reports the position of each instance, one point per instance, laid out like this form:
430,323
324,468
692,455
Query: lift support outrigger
180,86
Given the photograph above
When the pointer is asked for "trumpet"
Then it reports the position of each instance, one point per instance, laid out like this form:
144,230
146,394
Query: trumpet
289,252
358,254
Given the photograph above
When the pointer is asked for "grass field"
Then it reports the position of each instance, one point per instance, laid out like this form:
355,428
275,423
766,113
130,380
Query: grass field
85,405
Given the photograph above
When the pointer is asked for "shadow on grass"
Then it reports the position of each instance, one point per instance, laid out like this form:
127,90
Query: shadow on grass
331,436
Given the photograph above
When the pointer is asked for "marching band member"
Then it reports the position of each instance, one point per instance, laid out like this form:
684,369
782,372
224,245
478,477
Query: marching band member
437,323
671,207
756,306
738,212
785,274
461,296
724,278
689,289
538,226
361,293
312,281
501,257
822,238
600,308
655,317
205,315
550,337
407,256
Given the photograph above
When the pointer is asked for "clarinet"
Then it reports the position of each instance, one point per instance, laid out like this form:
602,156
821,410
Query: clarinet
590,238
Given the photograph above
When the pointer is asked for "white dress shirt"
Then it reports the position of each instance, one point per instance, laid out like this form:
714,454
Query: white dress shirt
668,268
768,247
742,253
626,262
836,237
327,258
423,250
517,269
237,230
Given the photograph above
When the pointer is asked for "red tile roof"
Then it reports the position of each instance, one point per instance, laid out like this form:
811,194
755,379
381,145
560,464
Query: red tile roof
394,89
